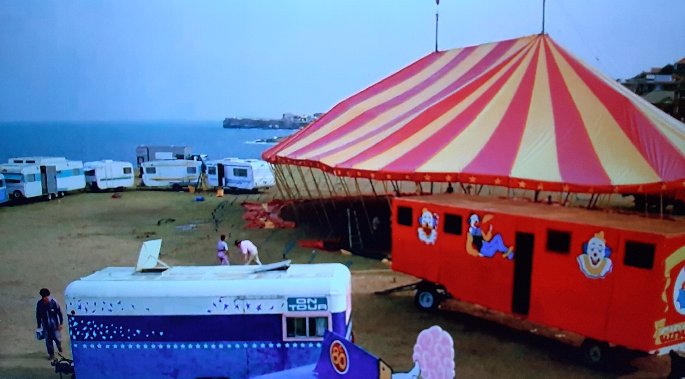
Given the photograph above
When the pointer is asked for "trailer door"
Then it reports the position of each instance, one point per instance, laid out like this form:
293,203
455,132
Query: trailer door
220,175
48,179
523,268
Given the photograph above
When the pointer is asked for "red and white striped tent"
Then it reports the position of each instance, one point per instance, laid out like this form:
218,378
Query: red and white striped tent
522,113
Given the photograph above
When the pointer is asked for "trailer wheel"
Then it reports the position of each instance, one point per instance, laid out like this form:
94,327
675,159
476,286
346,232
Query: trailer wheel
175,187
17,195
595,353
60,194
427,297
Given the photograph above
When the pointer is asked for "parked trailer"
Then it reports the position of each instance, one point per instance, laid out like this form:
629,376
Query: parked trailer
107,174
173,174
3,190
610,278
205,322
42,176
236,173
145,153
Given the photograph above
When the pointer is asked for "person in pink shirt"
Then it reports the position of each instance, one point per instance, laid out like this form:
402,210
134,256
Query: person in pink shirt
249,251
222,250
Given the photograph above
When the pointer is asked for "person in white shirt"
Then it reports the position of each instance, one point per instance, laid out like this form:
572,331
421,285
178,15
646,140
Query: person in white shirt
222,250
249,251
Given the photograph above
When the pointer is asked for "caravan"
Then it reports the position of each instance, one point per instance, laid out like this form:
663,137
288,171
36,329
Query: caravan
3,189
145,153
106,174
242,174
42,176
173,174
211,321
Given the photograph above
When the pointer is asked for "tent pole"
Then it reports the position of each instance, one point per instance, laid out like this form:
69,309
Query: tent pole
661,204
283,180
373,188
366,213
323,205
279,184
387,195
304,182
292,177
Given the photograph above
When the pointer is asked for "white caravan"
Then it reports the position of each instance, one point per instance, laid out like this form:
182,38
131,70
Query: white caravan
174,174
42,176
145,153
107,174
243,174
3,189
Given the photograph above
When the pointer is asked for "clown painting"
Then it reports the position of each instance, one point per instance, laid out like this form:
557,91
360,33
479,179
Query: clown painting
485,244
428,227
595,262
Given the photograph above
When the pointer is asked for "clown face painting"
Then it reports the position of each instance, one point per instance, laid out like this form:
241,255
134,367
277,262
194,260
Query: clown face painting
428,227
595,263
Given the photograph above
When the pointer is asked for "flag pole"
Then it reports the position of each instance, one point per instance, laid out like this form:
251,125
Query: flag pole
437,2
543,17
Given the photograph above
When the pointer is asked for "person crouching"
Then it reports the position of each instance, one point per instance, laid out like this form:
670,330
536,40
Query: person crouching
249,251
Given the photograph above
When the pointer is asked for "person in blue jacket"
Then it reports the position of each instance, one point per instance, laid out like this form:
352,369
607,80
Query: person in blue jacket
49,318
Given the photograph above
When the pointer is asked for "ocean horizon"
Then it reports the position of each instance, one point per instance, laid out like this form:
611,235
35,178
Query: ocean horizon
117,140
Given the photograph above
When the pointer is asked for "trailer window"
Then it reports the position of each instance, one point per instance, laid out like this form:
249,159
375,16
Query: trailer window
211,170
639,254
404,216
127,170
240,172
452,224
30,178
150,170
558,241
306,327
191,170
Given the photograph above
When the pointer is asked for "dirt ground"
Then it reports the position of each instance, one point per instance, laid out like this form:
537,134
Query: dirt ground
51,243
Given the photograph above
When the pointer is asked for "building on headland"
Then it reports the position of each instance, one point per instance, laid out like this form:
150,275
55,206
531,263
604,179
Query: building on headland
663,87
287,121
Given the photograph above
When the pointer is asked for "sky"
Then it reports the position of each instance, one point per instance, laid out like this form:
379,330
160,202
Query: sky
121,60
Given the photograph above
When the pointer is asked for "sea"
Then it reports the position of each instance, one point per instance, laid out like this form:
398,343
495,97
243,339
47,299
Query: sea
91,141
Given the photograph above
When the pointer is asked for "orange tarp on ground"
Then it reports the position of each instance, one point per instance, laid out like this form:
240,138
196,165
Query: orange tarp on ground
265,215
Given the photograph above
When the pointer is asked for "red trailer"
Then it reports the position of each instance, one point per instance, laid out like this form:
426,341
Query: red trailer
614,279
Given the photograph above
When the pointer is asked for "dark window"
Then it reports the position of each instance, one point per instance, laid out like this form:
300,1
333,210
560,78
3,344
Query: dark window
306,327
191,170
404,216
452,224
240,172
150,170
639,254
211,170
127,170
558,241
90,173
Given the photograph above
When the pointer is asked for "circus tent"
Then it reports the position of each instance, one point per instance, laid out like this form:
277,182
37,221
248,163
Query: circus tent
521,113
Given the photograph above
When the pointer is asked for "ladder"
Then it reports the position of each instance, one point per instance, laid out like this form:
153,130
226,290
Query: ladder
354,234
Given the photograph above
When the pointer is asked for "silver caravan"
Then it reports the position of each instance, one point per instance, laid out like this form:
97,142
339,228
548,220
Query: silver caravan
173,174
108,174
27,177
242,174
145,153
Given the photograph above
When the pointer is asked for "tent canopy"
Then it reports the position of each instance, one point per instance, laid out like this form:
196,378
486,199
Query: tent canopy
522,113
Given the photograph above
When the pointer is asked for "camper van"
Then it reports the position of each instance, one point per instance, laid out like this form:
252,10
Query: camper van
205,322
242,174
107,174
173,174
3,190
27,177
145,153
609,278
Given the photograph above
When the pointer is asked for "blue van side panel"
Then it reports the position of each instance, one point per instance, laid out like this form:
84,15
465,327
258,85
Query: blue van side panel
234,346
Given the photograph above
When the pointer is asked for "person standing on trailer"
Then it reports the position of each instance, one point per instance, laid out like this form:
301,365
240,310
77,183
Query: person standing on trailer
249,251
49,319
222,251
